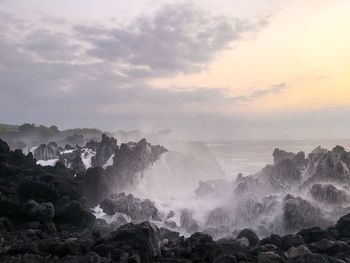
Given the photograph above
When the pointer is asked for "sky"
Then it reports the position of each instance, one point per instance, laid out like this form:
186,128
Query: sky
208,70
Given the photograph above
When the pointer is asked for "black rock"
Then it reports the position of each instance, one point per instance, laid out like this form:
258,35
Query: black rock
314,234
142,240
4,148
343,226
35,211
250,235
138,210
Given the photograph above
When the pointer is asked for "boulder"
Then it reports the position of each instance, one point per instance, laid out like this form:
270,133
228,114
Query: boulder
141,239
203,248
343,226
300,251
250,235
74,213
4,148
314,234
35,211
269,257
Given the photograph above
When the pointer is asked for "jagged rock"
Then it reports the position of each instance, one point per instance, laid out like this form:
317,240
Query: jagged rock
137,209
328,169
187,222
217,217
142,240
250,235
279,155
72,159
343,226
104,150
319,151
298,213
337,152
298,159
47,151
96,185
284,172
328,194
129,160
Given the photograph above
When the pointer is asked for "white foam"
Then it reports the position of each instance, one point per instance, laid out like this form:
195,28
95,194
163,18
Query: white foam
109,161
86,156
51,162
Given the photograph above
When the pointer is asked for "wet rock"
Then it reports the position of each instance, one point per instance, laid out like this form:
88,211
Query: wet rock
269,257
168,234
300,251
273,239
137,209
35,211
299,213
142,240
203,247
250,235
329,169
73,212
217,217
104,150
187,222
330,247
4,148
291,240
279,177
47,151
343,226
225,259
328,194
279,155
314,234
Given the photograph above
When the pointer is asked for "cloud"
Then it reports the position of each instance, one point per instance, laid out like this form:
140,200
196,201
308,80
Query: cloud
177,39
97,76
50,45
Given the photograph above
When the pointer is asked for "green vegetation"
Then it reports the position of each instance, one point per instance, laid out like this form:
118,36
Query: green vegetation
8,128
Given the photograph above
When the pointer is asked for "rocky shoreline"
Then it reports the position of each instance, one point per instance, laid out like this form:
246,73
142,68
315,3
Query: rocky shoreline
46,211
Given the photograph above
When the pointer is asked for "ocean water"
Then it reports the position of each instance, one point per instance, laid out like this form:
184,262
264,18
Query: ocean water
249,157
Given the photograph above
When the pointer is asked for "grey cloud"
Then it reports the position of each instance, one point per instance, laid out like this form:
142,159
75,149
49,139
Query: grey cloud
50,45
273,89
177,39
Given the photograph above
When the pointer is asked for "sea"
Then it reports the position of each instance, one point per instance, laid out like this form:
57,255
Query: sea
250,156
